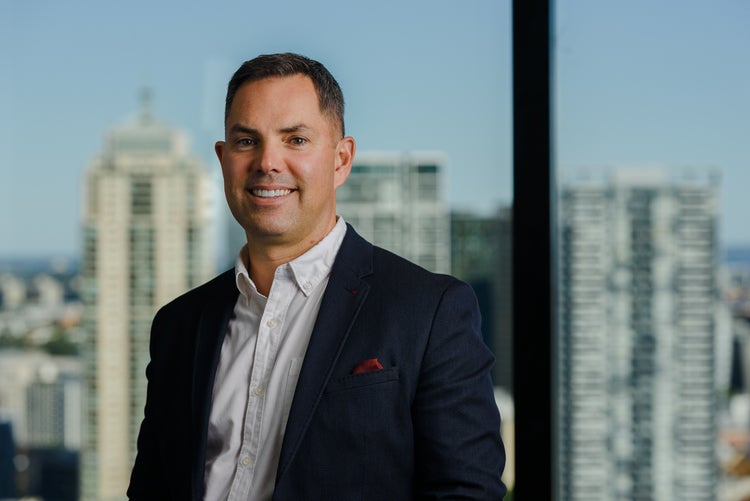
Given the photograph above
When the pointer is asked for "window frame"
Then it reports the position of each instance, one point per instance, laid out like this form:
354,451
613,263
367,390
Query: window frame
534,251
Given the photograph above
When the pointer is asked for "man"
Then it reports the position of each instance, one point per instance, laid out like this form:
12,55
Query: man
321,367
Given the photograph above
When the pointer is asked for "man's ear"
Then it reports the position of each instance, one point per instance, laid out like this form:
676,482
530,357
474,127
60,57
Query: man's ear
219,149
345,150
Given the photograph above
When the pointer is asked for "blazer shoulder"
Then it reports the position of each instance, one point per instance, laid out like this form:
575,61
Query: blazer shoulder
398,269
221,287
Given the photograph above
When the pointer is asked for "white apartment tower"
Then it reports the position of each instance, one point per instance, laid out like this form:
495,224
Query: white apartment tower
146,240
395,200
53,405
637,392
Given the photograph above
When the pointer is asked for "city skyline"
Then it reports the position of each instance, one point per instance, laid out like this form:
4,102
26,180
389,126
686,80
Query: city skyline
636,84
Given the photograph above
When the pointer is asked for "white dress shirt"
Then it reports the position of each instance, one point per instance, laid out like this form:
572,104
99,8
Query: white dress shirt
261,358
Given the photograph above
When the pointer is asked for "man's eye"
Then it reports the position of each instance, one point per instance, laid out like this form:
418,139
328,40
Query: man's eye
246,141
298,141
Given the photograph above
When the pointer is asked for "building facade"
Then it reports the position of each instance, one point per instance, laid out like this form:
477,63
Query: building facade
40,397
146,240
53,402
481,255
636,369
396,201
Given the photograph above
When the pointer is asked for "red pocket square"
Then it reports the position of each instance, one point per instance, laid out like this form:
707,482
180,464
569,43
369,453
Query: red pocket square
369,365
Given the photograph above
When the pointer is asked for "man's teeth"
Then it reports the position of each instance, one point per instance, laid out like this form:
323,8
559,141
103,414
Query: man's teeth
270,193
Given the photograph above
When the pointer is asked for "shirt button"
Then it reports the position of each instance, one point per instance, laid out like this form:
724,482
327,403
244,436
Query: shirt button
246,461
260,390
307,286
272,323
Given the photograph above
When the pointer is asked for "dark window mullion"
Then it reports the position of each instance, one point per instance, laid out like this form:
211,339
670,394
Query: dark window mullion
534,227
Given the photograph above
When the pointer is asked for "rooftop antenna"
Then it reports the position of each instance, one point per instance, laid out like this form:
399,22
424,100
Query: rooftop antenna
146,97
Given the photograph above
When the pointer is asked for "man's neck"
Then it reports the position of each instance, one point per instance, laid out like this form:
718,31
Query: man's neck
262,268
262,259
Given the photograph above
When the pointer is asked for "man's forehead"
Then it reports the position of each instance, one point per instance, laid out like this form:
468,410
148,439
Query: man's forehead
303,86
300,81
280,90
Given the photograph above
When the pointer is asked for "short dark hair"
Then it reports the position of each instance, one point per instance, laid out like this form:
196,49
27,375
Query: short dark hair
330,97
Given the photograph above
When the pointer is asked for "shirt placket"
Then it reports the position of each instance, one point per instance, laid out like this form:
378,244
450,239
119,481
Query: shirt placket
267,346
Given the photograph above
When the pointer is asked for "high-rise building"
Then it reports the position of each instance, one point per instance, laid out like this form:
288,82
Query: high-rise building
53,403
637,393
481,255
146,229
395,200
19,371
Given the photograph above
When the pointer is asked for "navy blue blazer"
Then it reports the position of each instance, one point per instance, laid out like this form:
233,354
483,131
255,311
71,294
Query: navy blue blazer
424,427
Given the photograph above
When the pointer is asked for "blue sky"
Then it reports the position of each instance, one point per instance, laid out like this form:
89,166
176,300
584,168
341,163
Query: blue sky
658,83
638,83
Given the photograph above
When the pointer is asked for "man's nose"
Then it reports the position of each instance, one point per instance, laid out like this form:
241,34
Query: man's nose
270,159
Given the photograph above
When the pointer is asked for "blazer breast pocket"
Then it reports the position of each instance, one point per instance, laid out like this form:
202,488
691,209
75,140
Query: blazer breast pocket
359,407
363,381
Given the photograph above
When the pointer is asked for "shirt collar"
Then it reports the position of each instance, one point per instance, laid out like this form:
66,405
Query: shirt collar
307,270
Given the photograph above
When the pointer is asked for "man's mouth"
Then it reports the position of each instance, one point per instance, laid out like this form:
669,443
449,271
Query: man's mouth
269,193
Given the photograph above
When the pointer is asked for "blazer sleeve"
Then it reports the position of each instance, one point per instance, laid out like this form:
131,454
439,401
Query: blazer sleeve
459,453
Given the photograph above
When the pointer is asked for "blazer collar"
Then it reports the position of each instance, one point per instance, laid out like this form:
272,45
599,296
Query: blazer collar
342,300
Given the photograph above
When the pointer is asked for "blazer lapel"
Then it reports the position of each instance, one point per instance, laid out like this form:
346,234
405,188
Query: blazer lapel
344,296
212,327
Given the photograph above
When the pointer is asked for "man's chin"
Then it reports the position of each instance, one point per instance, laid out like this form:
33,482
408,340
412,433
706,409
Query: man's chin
271,232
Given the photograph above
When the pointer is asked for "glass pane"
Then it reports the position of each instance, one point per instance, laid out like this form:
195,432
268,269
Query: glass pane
111,201
651,123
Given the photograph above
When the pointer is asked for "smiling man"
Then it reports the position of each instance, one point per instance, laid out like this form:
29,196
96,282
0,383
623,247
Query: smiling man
320,367
282,161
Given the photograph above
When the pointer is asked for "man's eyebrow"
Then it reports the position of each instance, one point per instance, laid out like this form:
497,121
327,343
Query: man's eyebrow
294,128
242,129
